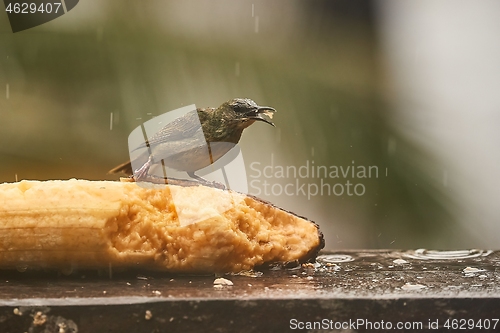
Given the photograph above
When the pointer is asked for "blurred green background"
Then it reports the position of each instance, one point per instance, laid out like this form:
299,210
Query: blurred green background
77,86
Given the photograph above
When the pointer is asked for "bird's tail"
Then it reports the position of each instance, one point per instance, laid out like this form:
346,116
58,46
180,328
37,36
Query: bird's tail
125,168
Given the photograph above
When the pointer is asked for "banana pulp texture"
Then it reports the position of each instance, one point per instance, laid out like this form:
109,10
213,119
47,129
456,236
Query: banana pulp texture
97,224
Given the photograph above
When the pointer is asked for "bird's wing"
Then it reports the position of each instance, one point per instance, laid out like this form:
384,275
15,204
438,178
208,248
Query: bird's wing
181,128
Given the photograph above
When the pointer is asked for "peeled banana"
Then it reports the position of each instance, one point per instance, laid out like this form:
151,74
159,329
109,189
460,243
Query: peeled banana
98,224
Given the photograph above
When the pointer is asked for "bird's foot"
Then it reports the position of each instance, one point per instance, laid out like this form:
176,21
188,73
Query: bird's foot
213,184
141,174
179,182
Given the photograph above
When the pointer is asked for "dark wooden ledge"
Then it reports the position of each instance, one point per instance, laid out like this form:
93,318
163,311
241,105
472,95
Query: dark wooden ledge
342,287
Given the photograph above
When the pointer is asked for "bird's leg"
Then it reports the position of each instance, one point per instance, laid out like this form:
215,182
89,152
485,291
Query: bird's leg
142,172
170,181
205,182
195,176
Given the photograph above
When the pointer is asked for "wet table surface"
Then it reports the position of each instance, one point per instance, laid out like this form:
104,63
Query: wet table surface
344,290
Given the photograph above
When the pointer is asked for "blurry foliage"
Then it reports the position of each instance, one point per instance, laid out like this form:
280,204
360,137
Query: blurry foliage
322,77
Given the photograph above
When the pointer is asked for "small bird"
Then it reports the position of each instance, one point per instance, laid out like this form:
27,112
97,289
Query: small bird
182,144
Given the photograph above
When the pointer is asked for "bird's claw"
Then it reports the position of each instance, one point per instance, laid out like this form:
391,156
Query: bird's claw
142,173
180,182
214,184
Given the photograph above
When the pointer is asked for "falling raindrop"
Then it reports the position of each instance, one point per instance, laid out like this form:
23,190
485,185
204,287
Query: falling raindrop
333,112
111,121
99,34
391,146
7,91
256,24
278,135
237,68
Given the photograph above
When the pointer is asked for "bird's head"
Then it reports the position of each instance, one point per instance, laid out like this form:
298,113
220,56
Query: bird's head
245,112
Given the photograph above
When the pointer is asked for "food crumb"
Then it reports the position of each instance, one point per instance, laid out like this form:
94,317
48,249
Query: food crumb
62,327
400,261
157,292
39,319
222,282
471,270
410,286
17,312
148,315
335,266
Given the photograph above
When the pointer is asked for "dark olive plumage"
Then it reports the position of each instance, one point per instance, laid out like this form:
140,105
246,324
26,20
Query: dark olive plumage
182,144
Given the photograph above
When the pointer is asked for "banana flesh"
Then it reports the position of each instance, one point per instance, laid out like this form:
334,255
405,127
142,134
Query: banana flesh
76,224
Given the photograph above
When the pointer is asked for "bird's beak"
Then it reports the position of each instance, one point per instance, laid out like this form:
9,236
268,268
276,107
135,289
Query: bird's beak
262,113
